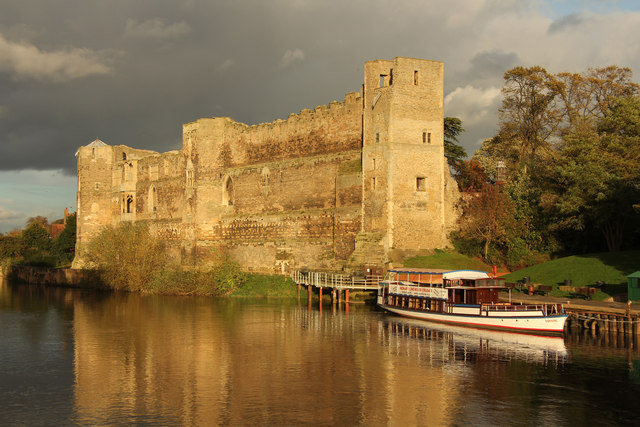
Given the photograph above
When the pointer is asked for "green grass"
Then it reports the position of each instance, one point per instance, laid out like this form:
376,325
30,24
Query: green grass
264,285
584,270
446,260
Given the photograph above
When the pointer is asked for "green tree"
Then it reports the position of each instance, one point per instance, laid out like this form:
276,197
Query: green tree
597,180
65,244
11,246
453,151
36,237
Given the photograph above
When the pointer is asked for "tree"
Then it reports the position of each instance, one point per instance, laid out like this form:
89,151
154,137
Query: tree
453,151
587,97
127,255
487,217
65,244
11,246
471,176
529,116
597,181
36,237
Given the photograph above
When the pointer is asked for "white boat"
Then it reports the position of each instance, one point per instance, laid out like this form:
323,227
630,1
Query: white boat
466,298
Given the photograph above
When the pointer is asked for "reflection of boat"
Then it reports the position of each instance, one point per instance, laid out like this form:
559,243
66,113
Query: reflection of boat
464,297
487,342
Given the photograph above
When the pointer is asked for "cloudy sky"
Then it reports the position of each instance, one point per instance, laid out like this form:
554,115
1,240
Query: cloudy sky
132,72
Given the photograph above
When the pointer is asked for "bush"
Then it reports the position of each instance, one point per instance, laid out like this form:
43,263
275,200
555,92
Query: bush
173,280
127,255
130,258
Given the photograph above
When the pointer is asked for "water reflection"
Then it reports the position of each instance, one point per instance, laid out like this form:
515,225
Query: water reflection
470,345
123,358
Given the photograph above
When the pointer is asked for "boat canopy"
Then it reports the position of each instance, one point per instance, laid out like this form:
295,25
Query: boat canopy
465,274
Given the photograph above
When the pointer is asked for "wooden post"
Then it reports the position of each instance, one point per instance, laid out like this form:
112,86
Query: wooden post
320,297
346,295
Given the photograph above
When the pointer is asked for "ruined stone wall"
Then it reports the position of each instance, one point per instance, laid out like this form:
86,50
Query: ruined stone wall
300,192
281,194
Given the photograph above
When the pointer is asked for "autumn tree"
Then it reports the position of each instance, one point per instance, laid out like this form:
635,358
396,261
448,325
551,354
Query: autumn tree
471,176
529,116
488,217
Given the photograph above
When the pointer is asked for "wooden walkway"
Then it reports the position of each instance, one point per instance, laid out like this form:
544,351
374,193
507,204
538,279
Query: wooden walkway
335,281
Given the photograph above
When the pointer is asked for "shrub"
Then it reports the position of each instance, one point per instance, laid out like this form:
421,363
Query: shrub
127,255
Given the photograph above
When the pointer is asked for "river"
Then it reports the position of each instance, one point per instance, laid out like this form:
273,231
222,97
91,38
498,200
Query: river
84,357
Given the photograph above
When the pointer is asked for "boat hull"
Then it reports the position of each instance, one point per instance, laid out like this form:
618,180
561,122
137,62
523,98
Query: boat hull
534,324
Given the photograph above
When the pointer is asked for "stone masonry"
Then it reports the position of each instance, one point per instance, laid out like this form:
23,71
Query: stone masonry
344,185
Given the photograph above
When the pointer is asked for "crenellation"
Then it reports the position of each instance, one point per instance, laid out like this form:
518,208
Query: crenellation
291,193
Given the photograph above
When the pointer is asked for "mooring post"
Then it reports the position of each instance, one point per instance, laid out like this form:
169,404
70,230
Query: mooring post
346,295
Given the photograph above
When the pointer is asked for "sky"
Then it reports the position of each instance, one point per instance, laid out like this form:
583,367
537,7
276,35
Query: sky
132,72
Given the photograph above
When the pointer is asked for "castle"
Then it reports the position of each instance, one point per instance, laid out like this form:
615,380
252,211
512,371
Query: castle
352,183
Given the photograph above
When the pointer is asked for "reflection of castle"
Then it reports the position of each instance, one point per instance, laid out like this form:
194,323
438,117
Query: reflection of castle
345,183
190,361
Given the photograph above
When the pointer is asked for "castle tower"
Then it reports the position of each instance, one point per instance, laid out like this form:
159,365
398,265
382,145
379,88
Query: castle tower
94,204
405,173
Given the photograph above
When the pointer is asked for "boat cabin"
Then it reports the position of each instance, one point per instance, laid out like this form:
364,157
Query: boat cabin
429,289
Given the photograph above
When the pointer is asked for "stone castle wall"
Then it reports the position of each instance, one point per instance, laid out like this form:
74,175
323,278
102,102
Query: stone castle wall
288,194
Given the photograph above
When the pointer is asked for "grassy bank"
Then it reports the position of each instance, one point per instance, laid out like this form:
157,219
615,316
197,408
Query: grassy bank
263,285
584,270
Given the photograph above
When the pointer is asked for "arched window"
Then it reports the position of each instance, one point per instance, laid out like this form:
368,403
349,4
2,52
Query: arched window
227,192
129,204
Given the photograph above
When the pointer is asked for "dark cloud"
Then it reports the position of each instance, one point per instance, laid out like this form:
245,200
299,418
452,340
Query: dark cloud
489,64
132,72
566,23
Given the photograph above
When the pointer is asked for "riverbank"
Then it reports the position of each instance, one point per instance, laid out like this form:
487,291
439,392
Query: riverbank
63,277
253,285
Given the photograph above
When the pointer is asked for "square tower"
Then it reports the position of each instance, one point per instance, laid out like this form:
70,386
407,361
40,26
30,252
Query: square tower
403,164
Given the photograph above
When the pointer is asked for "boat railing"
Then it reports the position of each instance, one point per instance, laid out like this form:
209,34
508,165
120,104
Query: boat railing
545,308
507,307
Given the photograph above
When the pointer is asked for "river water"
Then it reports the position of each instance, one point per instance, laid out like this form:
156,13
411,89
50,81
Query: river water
99,358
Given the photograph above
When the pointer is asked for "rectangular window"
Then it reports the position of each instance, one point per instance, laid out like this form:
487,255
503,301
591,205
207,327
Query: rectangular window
421,184
373,164
429,138
382,76
415,78
373,183
377,137
424,137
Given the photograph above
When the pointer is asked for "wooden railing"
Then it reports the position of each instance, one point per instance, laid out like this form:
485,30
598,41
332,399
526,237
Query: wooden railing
335,281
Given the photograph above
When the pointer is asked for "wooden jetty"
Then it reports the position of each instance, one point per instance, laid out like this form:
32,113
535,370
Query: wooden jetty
338,283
